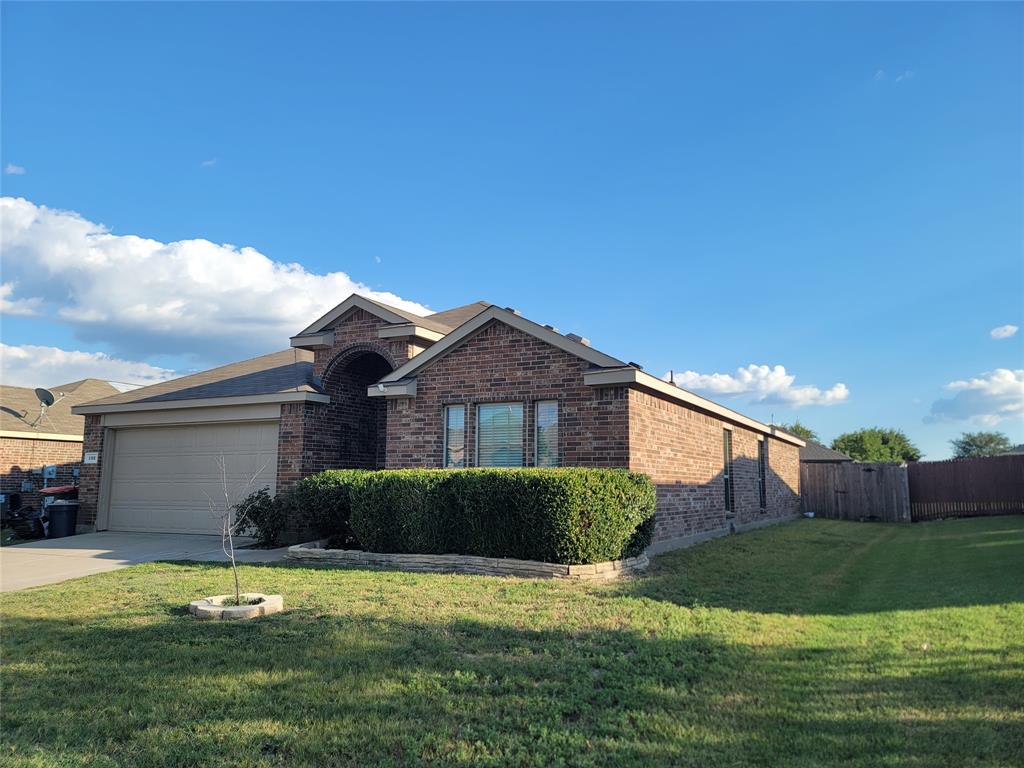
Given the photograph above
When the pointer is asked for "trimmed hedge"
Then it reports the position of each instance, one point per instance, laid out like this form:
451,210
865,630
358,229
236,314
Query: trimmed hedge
571,515
322,503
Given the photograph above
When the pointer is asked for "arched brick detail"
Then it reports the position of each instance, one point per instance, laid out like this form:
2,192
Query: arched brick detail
350,432
351,351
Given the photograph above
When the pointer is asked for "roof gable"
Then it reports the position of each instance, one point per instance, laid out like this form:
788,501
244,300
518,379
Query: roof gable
458,336
383,311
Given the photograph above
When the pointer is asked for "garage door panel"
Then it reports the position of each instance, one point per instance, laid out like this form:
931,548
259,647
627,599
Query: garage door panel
163,477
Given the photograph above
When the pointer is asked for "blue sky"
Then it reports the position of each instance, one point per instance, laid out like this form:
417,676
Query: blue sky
832,188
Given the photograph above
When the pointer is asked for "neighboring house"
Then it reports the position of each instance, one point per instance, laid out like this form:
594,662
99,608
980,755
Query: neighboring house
1016,450
372,386
30,443
816,453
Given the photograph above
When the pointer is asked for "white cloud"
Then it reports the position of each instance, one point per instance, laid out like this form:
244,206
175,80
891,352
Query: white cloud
1003,331
993,397
21,307
32,366
14,170
762,384
879,74
208,163
905,75
142,296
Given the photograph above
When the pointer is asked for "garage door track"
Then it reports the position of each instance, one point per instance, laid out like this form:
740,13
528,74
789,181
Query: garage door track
49,561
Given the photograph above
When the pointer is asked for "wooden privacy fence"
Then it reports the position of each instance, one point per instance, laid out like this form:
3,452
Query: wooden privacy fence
966,487
852,491
926,490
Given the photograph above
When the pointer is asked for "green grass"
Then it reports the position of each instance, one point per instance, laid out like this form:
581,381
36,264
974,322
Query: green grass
817,643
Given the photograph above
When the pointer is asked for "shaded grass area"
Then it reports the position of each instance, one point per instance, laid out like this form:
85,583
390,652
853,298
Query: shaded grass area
816,643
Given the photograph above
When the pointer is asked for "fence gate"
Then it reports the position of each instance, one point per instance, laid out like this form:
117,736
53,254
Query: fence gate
850,491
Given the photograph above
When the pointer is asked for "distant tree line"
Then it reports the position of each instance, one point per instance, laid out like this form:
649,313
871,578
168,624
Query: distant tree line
877,444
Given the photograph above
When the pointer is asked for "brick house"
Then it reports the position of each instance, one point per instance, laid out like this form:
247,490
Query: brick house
373,386
34,444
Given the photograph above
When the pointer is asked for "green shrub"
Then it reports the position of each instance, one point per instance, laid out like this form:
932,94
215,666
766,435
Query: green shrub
570,515
263,516
321,504
389,505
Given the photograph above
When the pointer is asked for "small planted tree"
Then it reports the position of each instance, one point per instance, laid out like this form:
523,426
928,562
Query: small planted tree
231,513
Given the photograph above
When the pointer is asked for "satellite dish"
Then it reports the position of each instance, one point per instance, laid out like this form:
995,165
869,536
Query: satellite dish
45,396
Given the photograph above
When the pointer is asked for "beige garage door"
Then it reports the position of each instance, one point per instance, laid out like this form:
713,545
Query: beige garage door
162,476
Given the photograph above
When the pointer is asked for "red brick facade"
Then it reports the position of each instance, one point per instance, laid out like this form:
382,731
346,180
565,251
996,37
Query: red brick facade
89,481
502,364
23,459
680,447
682,450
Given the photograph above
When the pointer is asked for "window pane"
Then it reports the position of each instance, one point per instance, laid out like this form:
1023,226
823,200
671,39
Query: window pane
455,436
727,470
499,435
762,472
547,433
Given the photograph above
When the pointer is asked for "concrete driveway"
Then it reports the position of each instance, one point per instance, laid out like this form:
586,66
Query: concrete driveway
48,561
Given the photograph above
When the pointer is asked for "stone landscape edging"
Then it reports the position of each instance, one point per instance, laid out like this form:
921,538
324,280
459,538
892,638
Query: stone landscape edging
215,608
313,551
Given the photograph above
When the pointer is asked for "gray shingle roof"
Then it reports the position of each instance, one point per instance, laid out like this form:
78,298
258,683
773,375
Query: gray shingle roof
816,452
456,316
19,407
290,370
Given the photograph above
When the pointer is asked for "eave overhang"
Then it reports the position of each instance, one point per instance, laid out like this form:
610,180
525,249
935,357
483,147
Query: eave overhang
634,377
203,402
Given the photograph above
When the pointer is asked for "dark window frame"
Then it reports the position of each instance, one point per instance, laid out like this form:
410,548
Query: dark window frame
762,474
728,472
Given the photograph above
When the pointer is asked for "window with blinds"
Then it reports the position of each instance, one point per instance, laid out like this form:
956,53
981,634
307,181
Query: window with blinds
762,473
727,472
455,436
499,435
546,437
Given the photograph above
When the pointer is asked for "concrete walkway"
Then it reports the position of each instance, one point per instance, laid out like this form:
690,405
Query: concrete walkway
49,561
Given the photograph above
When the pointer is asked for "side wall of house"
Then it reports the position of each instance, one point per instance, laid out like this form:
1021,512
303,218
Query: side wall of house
682,450
503,364
23,459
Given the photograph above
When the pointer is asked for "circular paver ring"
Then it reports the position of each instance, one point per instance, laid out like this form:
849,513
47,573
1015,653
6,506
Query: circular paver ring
214,607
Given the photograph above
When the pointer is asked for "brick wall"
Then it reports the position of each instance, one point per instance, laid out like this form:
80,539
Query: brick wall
503,364
359,326
349,431
89,481
19,456
682,450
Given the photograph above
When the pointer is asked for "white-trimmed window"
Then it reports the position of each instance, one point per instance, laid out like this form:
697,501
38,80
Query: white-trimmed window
546,433
454,436
499,435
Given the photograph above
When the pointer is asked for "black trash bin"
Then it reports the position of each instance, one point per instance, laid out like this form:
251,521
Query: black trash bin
63,516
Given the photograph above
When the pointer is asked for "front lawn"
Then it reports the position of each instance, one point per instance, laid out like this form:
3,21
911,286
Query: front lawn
816,643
